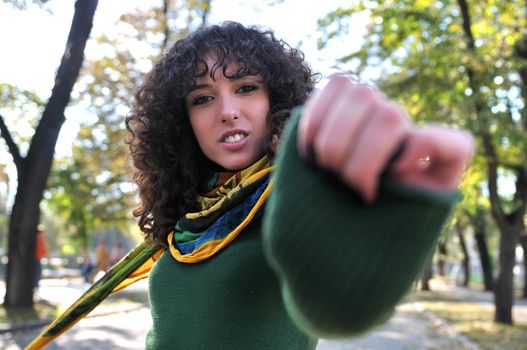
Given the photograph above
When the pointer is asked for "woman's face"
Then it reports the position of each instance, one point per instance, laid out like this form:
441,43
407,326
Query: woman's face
229,117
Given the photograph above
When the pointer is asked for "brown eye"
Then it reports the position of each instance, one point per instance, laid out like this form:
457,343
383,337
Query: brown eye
246,89
201,100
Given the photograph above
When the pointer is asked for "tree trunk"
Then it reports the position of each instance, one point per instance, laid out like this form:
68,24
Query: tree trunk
484,257
21,265
426,276
523,242
466,257
34,169
510,226
504,288
441,257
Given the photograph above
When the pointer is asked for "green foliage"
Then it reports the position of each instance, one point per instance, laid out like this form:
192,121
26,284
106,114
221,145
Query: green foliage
420,51
19,109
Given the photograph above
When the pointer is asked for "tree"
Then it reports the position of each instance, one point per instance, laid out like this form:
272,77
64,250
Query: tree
479,224
34,168
426,275
475,210
523,243
92,188
26,104
465,64
442,252
510,222
4,190
466,257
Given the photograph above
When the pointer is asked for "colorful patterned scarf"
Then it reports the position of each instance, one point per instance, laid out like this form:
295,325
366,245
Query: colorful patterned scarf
225,211
230,203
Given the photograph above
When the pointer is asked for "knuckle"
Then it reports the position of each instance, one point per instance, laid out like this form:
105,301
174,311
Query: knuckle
307,126
356,177
467,145
329,152
338,82
364,92
393,116
340,78
469,141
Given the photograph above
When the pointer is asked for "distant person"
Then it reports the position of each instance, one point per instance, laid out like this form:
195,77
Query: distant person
41,252
117,253
86,266
102,256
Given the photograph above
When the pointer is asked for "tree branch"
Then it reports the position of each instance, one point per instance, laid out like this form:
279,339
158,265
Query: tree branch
43,142
492,175
165,26
206,12
11,145
467,24
523,87
521,189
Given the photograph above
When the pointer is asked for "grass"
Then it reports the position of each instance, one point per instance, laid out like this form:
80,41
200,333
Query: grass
475,321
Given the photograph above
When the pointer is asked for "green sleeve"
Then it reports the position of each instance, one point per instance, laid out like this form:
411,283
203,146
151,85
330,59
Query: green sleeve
343,265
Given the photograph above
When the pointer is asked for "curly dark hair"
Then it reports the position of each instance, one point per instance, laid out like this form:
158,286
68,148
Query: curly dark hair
168,163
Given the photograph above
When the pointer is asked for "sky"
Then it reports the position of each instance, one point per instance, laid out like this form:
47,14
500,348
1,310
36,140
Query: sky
36,32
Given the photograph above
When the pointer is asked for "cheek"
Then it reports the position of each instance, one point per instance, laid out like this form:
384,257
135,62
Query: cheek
198,118
262,113
201,129
265,118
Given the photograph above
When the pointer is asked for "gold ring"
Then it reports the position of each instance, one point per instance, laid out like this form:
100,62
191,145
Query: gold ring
424,162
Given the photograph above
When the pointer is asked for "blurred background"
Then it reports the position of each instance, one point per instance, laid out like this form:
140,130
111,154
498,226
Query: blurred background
63,161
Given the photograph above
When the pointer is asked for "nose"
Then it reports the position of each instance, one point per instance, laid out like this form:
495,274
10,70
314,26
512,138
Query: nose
229,110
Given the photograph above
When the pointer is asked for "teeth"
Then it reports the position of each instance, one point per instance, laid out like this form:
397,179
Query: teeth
234,138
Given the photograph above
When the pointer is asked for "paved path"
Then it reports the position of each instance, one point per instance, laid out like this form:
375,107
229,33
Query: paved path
124,326
117,324
121,330
411,328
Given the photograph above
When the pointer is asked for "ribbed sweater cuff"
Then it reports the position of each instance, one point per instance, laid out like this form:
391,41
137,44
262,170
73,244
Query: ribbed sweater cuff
343,265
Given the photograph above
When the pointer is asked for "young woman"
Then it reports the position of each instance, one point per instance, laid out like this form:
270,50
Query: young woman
204,131
279,224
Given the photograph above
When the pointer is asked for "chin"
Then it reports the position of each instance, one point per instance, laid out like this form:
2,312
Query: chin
237,165
235,168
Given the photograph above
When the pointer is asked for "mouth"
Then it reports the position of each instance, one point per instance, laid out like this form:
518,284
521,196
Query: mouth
233,136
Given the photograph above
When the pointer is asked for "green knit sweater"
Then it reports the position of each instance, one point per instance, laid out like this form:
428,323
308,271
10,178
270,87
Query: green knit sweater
325,264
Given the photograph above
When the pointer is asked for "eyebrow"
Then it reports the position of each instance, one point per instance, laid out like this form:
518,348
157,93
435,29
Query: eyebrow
204,86
199,86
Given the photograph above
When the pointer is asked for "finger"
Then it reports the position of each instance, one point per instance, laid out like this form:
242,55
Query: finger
338,131
449,152
315,111
377,142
